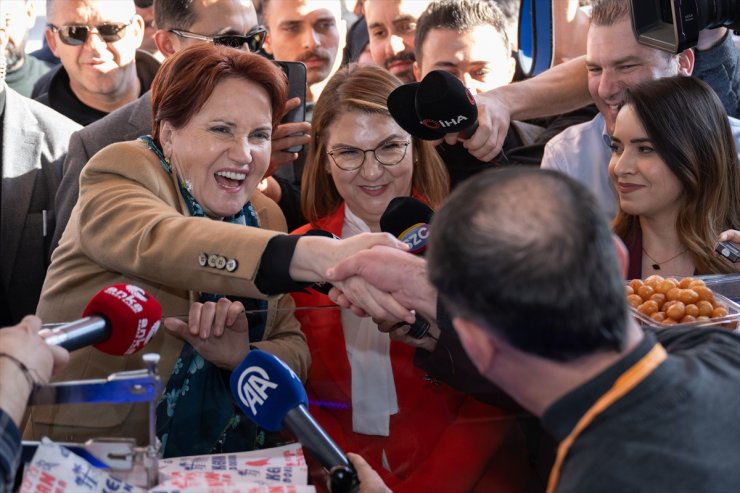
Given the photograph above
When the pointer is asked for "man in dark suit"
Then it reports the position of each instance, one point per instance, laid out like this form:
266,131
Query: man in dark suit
34,142
204,18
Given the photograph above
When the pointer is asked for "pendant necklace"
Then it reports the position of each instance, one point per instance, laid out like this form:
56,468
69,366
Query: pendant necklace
656,264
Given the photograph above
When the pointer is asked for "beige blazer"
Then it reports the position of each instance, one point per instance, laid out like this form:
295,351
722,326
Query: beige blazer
131,225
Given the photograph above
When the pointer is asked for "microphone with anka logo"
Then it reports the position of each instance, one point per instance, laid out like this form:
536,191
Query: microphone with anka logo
271,395
440,104
118,320
408,219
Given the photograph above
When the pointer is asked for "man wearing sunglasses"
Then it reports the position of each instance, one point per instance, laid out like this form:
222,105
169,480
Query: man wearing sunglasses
101,69
179,25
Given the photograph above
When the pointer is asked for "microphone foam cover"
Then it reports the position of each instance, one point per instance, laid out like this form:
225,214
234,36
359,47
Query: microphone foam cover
401,107
134,317
443,103
408,219
265,389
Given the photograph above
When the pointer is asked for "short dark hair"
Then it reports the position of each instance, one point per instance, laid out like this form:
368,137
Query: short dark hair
174,14
187,79
528,254
458,15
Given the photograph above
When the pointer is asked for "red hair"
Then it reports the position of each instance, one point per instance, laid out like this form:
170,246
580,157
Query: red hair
186,80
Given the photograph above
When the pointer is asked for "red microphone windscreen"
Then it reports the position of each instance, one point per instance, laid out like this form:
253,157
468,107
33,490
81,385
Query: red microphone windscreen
133,314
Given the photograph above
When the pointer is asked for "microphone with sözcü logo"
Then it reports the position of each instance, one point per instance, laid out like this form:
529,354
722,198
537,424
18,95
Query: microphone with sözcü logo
272,396
440,104
118,320
408,219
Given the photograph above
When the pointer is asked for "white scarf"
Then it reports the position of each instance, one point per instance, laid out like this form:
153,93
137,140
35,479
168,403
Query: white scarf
368,350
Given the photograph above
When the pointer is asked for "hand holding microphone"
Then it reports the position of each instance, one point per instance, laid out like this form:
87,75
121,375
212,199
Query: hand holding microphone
408,219
272,396
438,105
118,320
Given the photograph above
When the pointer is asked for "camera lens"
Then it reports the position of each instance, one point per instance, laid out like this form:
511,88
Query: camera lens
143,4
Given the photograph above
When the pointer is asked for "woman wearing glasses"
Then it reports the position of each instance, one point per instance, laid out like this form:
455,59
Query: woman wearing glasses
179,215
363,387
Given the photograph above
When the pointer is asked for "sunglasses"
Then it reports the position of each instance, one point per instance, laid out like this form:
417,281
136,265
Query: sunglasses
76,35
254,39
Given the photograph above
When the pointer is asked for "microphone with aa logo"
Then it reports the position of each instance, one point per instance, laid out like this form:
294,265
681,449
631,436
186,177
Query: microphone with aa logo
272,396
118,320
438,105
408,219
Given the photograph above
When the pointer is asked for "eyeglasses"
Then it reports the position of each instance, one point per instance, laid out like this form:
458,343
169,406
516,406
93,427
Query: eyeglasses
351,159
254,39
76,35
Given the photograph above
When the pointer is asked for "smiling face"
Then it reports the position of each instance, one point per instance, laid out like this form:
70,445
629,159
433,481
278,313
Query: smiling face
645,184
368,191
223,151
615,61
97,68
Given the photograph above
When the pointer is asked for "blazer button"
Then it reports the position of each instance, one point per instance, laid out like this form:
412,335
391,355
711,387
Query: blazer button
212,260
203,259
231,265
220,262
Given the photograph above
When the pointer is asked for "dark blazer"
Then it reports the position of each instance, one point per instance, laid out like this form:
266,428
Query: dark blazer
126,123
34,144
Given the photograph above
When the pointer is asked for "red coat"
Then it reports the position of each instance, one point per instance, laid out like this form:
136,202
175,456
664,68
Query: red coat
440,440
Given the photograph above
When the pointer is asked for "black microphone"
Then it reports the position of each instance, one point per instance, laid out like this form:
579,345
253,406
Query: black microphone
408,219
271,395
118,320
438,105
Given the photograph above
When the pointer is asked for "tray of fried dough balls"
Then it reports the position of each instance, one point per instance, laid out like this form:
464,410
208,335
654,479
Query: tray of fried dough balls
688,302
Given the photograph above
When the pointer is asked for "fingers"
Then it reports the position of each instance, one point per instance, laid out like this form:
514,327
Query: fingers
383,239
60,358
236,317
177,327
290,105
493,125
346,268
219,319
31,323
373,301
370,481
450,139
730,235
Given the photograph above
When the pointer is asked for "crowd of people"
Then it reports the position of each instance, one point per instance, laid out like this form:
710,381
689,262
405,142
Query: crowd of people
148,148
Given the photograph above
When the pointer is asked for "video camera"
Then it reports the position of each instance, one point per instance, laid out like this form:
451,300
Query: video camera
674,25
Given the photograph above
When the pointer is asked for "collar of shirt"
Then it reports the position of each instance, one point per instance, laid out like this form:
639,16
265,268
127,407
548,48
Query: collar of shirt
561,417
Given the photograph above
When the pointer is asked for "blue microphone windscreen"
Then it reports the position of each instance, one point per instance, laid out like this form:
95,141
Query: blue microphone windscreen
266,389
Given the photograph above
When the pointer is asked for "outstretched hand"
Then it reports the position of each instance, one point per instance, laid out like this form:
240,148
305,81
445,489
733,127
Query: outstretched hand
385,283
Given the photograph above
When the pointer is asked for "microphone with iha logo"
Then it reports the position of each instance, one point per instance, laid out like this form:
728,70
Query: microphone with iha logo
440,104
270,394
